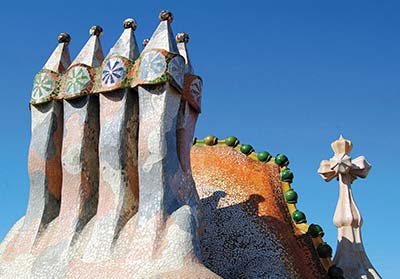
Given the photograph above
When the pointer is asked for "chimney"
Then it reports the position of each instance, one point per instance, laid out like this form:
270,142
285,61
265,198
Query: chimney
119,120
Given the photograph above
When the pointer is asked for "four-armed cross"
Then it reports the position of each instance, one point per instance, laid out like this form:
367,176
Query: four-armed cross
350,254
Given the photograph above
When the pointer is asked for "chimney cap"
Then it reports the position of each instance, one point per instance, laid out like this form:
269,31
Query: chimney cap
182,38
166,15
64,37
130,23
96,30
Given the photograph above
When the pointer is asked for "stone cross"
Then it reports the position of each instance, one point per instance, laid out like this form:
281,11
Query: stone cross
350,254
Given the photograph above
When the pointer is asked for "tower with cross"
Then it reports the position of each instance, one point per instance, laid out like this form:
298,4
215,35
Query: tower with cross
350,254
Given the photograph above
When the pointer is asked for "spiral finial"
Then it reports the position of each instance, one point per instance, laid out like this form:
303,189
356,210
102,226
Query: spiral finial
166,15
130,23
182,38
95,30
145,42
64,38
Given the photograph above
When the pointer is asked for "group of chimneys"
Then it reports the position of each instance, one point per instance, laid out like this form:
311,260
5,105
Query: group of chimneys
91,55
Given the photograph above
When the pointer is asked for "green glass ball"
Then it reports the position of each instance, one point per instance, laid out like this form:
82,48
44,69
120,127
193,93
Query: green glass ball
291,196
324,250
315,230
232,141
281,160
264,156
210,140
246,149
299,217
287,176
335,272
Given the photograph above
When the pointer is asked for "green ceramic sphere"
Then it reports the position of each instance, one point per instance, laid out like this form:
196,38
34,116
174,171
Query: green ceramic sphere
264,156
232,141
315,230
291,196
246,149
324,250
335,272
287,176
281,160
299,217
210,140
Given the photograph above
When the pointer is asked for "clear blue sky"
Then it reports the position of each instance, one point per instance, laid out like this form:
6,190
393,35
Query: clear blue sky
285,76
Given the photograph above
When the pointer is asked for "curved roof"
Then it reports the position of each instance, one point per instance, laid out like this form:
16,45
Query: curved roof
250,214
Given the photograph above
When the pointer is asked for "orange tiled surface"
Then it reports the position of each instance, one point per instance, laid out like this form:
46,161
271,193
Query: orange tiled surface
257,188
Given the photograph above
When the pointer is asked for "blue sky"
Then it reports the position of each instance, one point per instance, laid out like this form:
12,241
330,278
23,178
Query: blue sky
285,76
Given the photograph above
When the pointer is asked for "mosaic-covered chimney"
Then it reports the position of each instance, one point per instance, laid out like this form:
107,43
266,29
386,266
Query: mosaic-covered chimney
44,161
